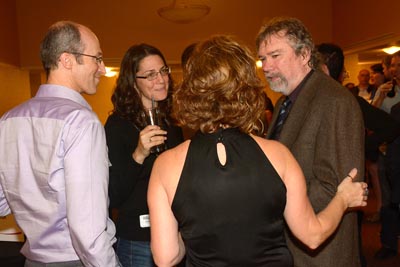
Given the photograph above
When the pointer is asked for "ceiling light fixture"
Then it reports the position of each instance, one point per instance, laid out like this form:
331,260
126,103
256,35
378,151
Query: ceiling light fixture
391,50
183,12
111,72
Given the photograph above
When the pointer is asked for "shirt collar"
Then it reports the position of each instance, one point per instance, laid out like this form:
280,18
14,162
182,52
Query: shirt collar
53,90
293,95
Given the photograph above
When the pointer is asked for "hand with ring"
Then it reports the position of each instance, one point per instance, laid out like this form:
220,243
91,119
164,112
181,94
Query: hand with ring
366,192
354,194
150,136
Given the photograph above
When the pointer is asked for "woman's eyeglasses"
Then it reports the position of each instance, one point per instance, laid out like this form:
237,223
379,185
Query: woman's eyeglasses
154,74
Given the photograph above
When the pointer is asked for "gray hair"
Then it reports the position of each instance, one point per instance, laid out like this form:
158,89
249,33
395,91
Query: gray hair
63,36
297,34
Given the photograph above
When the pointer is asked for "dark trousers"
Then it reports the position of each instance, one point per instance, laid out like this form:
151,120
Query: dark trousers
10,255
390,214
29,263
390,220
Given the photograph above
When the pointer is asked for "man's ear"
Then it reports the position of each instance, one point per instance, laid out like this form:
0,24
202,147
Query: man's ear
325,69
66,60
306,55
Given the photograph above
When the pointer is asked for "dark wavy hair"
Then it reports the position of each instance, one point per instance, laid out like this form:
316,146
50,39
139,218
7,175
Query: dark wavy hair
220,88
125,98
297,34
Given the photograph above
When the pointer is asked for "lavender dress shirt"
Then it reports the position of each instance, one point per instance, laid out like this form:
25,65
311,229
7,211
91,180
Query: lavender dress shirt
54,178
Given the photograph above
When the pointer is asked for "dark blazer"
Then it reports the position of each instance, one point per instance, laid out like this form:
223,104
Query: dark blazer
393,161
384,127
324,131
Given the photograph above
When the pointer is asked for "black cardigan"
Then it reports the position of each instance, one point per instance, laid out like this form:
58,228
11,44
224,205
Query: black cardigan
129,179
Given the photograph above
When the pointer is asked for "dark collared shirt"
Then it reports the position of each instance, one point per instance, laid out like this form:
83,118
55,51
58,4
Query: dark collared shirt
288,106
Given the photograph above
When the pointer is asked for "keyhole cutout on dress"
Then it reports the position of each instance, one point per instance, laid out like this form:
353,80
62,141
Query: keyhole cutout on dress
221,153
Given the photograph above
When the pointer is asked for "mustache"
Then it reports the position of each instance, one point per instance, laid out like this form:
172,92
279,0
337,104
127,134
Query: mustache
274,75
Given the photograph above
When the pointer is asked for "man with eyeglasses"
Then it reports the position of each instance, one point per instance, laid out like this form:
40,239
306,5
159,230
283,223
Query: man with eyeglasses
53,158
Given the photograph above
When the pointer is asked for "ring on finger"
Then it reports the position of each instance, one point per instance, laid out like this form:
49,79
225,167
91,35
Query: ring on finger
366,192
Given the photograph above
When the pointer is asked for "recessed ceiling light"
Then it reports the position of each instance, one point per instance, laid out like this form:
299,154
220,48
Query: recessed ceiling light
391,50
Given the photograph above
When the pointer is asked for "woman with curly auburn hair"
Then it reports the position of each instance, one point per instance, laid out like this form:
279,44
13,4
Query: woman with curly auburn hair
226,92
144,80
222,197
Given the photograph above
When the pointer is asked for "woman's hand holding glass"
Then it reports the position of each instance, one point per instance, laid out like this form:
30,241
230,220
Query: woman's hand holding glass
150,136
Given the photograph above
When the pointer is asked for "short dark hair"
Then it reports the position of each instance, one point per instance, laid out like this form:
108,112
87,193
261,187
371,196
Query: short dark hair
187,52
377,68
332,56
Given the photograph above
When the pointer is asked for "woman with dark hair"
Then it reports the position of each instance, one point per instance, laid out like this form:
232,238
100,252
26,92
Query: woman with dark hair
377,75
223,196
144,81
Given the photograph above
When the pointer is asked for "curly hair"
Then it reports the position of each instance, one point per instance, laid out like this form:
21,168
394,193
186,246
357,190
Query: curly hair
220,88
295,31
125,98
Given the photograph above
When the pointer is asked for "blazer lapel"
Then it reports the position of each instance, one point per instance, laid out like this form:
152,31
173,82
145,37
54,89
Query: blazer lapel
299,112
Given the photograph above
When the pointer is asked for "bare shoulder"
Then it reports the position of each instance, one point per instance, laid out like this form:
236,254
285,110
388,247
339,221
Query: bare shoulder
167,169
171,160
176,154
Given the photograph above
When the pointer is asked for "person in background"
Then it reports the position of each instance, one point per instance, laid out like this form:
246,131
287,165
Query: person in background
384,183
388,93
53,158
332,60
143,82
386,62
371,156
312,119
350,86
187,52
390,215
364,88
377,77
381,127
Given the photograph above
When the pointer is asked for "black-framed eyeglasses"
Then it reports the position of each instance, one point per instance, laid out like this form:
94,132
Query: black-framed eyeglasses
154,74
99,59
